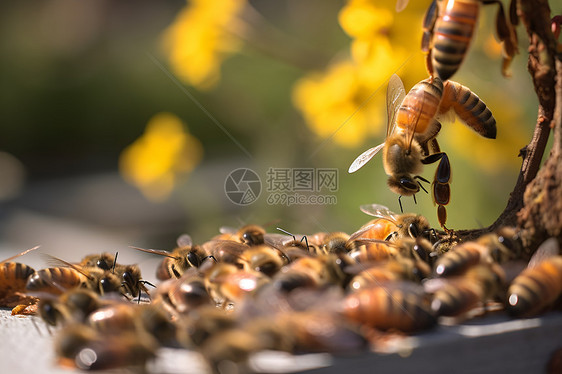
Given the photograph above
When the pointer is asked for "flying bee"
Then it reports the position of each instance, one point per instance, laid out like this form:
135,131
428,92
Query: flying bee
399,306
448,30
540,284
13,278
412,129
183,257
477,285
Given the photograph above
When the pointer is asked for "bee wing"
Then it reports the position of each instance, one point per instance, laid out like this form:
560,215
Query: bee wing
379,211
184,240
357,234
158,252
214,246
395,94
547,249
19,254
364,157
58,262
227,230
401,5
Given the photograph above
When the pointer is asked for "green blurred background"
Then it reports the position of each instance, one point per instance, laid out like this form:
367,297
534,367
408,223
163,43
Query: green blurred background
79,81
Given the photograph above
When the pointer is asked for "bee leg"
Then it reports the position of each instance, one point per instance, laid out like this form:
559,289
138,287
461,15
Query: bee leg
442,188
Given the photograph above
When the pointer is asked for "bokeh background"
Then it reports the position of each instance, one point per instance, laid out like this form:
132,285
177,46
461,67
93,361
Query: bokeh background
120,120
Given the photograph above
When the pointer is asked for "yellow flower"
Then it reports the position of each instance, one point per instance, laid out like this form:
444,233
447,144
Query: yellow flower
154,161
362,19
200,38
337,104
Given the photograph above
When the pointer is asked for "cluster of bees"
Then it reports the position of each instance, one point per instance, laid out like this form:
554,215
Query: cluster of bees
246,291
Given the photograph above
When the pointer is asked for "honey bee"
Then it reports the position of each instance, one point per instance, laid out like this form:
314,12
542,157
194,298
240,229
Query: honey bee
399,306
184,294
538,286
227,283
13,278
185,256
82,347
477,285
204,323
395,269
397,225
264,259
412,129
448,30
72,306
104,261
314,272
497,248
248,234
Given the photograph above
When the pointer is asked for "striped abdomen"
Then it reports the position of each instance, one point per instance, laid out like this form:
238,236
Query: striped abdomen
420,105
457,260
55,280
452,34
535,288
469,108
456,298
13,277
389,308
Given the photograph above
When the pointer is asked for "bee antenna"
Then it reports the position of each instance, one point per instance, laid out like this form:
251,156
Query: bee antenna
422,179
306,241
114,263
210,256
424,190
288,233
400,203
147,282
414,196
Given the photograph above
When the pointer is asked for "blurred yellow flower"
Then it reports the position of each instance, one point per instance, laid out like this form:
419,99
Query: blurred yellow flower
155,160
337,104
200,38
347,100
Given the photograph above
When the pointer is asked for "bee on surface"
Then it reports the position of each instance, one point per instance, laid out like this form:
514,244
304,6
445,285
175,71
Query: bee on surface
248,234
227,283
399,306
390,225
203,323
13,278
476,286
184,294
539,285
264,259
412,129
448,30
81,347
499,248
314,272
183,257
72,306
395,269
104,261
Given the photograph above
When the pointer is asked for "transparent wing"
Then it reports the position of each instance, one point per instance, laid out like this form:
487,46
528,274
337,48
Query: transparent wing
364,157
19,254
379,211
184,240
547,249
395,94
401,5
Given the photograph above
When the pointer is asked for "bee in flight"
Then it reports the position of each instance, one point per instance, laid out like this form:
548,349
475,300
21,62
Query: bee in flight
412,127
448,29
